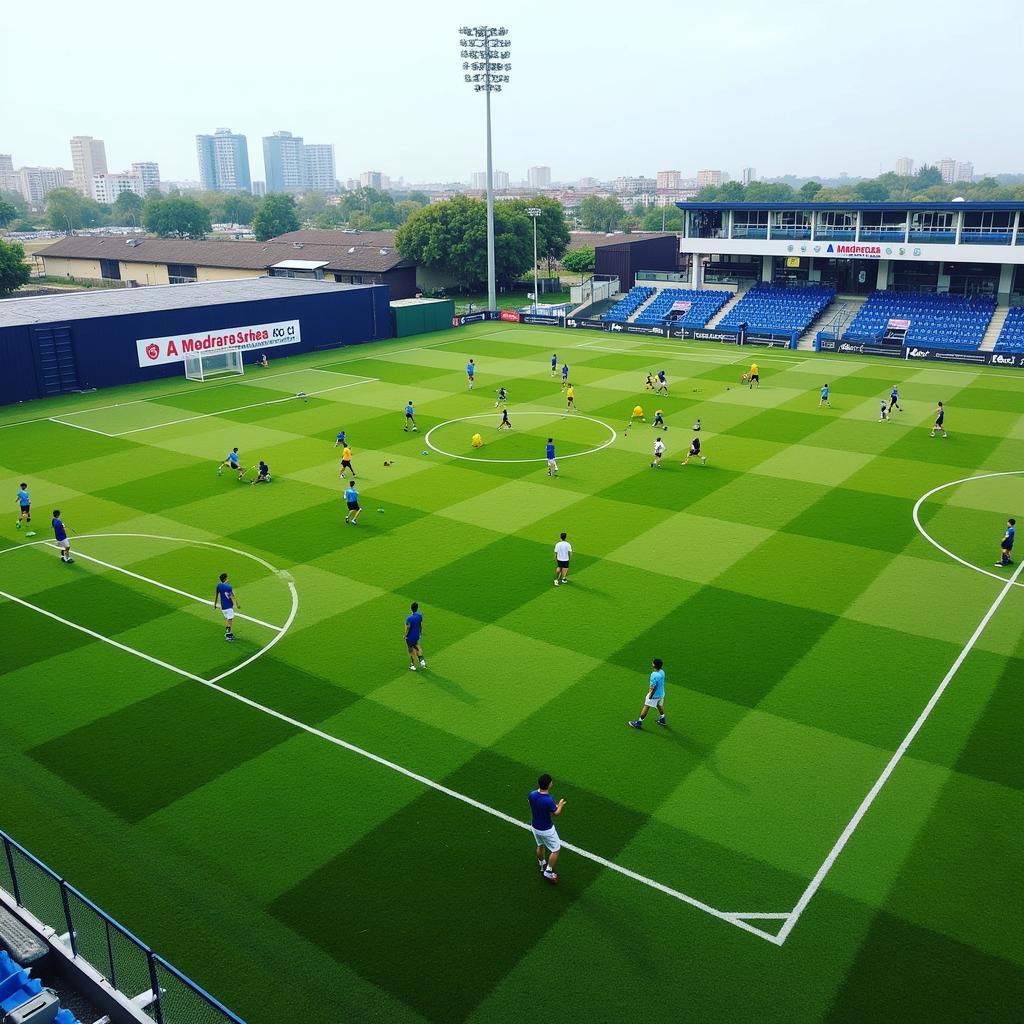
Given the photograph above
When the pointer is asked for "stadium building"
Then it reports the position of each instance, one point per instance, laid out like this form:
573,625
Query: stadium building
921,280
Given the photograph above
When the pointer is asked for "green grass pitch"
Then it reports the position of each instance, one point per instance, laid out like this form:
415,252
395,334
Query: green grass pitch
804,621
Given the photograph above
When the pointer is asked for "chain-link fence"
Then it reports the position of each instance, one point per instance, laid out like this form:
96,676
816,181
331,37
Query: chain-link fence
93,936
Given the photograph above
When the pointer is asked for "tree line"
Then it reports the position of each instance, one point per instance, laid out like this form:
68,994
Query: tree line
192,215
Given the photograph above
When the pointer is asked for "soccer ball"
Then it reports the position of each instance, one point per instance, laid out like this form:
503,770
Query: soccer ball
425,452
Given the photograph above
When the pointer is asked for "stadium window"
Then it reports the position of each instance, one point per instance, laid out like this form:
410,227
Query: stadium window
110,270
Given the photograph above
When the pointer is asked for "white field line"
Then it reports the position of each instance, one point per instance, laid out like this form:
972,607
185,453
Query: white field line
163,586
240,408
931,540
77,426
737,920
865,805
105,639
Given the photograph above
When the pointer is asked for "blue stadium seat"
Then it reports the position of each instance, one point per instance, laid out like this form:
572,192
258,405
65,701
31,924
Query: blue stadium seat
769,308
19,994
628,304
1011,337
7,966
704,304
65,1017
943,320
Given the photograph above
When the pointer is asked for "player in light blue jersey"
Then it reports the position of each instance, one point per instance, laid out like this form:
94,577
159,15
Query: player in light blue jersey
24,506
655,696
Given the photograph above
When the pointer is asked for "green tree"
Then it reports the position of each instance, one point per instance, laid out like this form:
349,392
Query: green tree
14,271
808,190
8,212
17,200
127,208
768,192
601,213
871,191
927,176
330,217
405,208
420,198
238,208
176,217
277,215
451,237
67,209
552,227
668,218
579,261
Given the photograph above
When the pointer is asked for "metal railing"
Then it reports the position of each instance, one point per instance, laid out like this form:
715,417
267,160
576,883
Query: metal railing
93,936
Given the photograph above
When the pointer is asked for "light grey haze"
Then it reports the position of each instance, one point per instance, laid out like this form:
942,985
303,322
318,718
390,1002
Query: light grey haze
597,89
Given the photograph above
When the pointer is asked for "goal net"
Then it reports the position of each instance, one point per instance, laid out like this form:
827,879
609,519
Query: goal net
215,364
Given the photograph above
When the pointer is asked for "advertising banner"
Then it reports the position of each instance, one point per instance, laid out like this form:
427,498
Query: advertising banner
511,316
175,349
859,348
593,324
539,318
474,318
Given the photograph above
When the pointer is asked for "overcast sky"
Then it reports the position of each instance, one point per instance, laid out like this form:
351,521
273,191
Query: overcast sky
599,88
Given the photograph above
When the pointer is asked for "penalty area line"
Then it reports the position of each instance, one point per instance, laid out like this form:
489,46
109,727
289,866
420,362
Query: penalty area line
865,804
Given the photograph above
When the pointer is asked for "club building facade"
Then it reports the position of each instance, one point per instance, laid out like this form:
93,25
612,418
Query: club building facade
962,248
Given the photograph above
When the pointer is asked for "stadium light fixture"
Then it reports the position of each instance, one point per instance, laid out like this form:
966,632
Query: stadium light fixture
485,52
534,212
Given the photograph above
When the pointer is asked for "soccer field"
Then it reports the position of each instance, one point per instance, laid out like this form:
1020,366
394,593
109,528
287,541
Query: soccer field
827,830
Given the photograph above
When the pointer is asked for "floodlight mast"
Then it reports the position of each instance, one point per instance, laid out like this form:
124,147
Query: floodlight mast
534,212
485,51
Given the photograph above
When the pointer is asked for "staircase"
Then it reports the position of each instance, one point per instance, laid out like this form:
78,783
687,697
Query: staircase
632,317
995,326
714,321
842,309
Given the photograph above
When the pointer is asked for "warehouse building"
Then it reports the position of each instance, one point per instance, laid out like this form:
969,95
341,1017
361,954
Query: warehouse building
55,344
146,261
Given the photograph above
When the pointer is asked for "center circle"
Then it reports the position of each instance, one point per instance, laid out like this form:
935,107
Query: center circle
514,416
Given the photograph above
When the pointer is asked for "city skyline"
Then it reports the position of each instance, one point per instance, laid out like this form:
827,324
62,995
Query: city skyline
423,92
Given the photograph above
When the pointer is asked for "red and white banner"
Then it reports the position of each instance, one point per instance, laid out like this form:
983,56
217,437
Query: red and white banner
157,351
510,316
899,325
681,307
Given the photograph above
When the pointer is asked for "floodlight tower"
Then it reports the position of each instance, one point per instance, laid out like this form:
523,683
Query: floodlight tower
534,212
485,52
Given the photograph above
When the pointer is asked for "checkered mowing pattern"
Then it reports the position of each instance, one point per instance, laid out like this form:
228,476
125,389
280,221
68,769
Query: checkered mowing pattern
803,620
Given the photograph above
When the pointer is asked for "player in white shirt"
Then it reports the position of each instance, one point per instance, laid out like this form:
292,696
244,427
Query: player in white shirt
563,552
659,450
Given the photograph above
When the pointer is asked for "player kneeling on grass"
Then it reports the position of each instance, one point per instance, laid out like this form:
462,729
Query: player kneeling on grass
226,599
636,414
352,501
543,808
413,632
262,474
477,441
655,696
695,453
659,419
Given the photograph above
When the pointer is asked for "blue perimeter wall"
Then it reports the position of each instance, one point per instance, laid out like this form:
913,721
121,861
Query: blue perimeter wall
105,352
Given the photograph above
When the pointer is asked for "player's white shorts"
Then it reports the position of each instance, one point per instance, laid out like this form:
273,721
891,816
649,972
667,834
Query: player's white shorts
64,544
548,838
229,613
552,464
653,702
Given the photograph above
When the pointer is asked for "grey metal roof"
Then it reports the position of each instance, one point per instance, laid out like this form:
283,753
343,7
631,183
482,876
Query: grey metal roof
356,255
126,301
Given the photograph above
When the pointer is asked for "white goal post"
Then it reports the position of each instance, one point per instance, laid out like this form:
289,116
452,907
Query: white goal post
214,364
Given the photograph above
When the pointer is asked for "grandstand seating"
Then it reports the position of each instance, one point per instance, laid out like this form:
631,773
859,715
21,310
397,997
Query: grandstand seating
1011,337
628,304
947,321
704,305
779,310
16,987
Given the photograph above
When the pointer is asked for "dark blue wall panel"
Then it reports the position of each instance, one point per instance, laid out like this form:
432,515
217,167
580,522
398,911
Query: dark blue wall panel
105,353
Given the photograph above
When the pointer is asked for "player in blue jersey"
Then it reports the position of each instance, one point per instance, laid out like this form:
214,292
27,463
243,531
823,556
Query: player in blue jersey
24,506
262,474
542,809
894,399
1006,544
410,418
225,598
471,373
339,441
504,419
824,397
413,632
60,534
662,384
352,502
565,375
501,398
554,363
549,451
695,452
655,696
231,460
940,420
